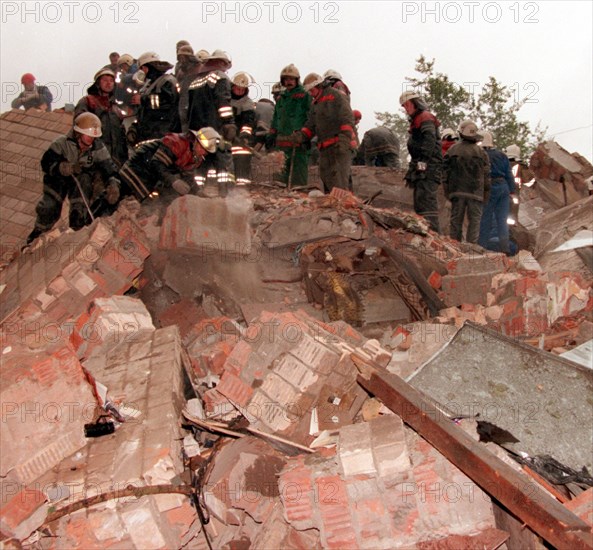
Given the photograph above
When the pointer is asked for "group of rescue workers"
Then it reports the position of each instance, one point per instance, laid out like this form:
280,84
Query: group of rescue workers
196,131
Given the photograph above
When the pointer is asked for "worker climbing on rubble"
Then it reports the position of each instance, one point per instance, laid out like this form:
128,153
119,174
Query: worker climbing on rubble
244,113
522,174
100,100
177,161
290,114
466,182
33,96
72,167
502,190
424,146
380,147
332,121
210,106
449,138
157,100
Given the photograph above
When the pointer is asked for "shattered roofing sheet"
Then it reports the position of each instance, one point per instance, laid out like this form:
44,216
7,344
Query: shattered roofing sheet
544,401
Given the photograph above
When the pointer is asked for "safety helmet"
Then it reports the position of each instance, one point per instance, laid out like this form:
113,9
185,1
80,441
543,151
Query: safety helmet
220,54
186,49
407,95
27,78
208,138
88,124
202,55
469,129
290,70
330,73
148,57
125,59
103,72
181,43
277,88
487,140
448,133
312,80
243,80
357,114
513,152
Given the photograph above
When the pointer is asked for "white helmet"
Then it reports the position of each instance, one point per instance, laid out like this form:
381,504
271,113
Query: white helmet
125,59
487,140
407,95
88,124
148,57
312,80
513,152
449,133
469,129
243,79
208,138
220,54
330,73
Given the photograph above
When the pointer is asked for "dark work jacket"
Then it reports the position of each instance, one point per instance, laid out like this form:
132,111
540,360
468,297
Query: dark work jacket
500,168
467,171
244,113
35,99
424,145
210,101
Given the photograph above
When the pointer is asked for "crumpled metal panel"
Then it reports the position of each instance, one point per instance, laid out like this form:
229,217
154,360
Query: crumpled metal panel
543,400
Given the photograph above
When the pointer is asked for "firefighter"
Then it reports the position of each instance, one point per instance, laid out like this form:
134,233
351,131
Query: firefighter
38,97
186,71
124,84
71,165
334,79
424,146
172,162
332,121
380,147
449,138
157,100
467,182
244,113
502,191
101,102
290,115
210,106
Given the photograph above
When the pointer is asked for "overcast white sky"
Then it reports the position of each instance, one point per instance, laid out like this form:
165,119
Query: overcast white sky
543,48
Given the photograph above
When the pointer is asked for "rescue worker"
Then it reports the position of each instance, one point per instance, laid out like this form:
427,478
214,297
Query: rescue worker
101,102
157,100
467,182
277,90
424,146
244,113
71,165
502,189
38,97
264,111
172,162
186,71
332,121
380,147
124,83
113,59
449,138
290,115
334,79
210,106
522,174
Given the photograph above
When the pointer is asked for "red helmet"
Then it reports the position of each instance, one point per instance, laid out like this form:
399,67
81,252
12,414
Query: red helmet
357,114
27,78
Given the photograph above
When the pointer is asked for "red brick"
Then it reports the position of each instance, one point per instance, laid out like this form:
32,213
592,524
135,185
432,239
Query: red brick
435,280
235,389
19,508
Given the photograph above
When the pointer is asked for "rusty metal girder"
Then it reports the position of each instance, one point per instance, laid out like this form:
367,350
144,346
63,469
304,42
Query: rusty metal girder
541,512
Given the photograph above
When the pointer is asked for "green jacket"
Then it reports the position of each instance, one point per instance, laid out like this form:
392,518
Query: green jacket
291,111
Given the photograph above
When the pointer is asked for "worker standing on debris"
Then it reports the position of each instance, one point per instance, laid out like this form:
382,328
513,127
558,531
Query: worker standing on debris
334,79
522,174
244,113
424,146
290,114
380,147
71,167
187,69
502,190
467,182
125,88
157,100
210,106
38,97
101,102
332,121
177,161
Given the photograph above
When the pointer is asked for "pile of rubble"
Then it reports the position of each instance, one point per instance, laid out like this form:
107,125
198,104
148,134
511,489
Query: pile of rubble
282,369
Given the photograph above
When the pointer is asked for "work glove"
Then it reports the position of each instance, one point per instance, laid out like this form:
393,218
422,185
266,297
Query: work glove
68,169
229,132
270,141
298,137
182,187
112,193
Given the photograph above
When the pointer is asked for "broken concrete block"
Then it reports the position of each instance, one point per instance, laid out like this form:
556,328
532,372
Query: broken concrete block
45,400
22,510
